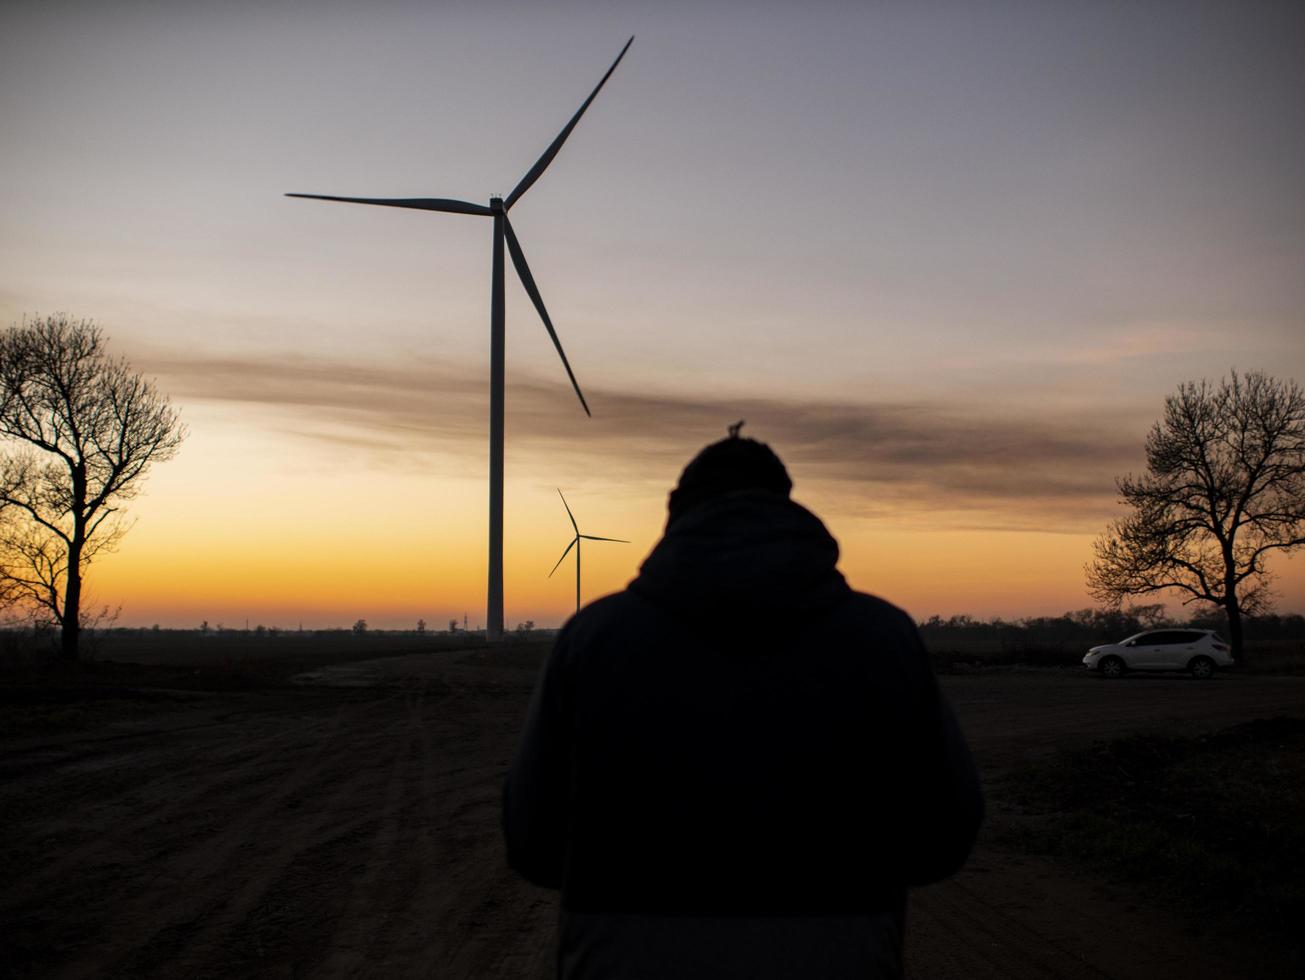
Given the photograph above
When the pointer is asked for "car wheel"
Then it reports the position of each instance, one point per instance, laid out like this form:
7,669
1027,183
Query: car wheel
1202,668
1111,667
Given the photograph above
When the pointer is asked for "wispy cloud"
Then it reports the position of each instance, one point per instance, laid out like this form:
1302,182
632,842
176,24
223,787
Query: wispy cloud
981,465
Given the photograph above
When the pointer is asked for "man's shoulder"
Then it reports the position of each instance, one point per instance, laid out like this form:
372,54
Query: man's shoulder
871,611
619,609
631,603
628,612
622,620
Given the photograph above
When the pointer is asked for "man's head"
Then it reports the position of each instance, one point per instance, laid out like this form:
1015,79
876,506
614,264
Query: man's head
735,463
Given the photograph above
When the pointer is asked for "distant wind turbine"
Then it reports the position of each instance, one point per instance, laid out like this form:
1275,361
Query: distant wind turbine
575,543
498,209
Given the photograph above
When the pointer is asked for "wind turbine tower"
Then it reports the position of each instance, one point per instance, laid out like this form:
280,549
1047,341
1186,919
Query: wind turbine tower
575,543
498,210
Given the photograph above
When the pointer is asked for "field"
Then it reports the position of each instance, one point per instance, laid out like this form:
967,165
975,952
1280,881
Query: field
214,821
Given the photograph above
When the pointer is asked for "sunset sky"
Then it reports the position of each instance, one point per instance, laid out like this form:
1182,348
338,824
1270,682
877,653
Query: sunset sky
946,258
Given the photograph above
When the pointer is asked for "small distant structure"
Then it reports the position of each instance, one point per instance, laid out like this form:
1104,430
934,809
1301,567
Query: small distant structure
575,543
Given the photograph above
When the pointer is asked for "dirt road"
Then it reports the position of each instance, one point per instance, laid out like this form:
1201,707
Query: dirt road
350,828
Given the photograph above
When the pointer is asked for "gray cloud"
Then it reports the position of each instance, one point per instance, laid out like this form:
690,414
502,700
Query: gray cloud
918,462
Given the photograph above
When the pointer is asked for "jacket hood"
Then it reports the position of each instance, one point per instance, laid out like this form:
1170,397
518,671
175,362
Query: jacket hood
748,551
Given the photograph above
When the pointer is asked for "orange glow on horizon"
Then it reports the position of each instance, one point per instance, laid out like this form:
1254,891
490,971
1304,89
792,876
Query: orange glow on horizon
981,573
247,525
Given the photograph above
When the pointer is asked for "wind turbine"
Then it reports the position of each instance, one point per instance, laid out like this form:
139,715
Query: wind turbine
498,209
575,543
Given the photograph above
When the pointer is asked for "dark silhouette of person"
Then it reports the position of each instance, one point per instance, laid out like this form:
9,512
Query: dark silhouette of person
738,765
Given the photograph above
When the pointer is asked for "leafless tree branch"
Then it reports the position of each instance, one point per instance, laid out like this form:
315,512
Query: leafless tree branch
78,431
1224,487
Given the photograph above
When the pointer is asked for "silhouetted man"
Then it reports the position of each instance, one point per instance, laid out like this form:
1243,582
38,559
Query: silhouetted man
737,766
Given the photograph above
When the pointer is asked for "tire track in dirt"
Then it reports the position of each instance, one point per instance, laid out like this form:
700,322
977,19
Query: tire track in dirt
457,911
346,906
129,934
365,912
220,774
396,923
40,756
443,860
408,911
378,897
486,921
996,944
1015,915
366,843
190,884
400,924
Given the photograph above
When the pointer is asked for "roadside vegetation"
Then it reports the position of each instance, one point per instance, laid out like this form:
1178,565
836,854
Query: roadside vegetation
227,658
1214,824
1274,644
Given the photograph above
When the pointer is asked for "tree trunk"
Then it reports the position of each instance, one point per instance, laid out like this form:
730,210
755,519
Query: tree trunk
71,632
70,635
1230,605
1234,612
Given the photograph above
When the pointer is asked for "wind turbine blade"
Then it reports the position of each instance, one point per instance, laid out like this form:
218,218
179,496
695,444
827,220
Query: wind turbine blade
527,280
574,542
542,163
590,537
568,512
419,203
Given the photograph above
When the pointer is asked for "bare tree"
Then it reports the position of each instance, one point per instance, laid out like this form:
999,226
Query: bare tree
1224,488
82,430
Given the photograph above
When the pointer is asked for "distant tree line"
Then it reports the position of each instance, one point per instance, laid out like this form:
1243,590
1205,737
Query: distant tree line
1084,628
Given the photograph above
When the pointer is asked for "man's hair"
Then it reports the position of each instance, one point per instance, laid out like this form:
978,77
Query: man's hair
736,463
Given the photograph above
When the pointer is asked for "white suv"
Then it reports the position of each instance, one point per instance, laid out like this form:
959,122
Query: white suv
1198,651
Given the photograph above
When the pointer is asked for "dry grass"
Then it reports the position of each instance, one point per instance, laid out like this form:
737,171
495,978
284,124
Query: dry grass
1214,823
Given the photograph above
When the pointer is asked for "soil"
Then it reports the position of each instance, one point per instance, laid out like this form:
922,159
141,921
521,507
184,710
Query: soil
349,827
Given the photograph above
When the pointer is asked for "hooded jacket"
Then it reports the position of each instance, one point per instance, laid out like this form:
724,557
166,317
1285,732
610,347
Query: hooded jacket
739,734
